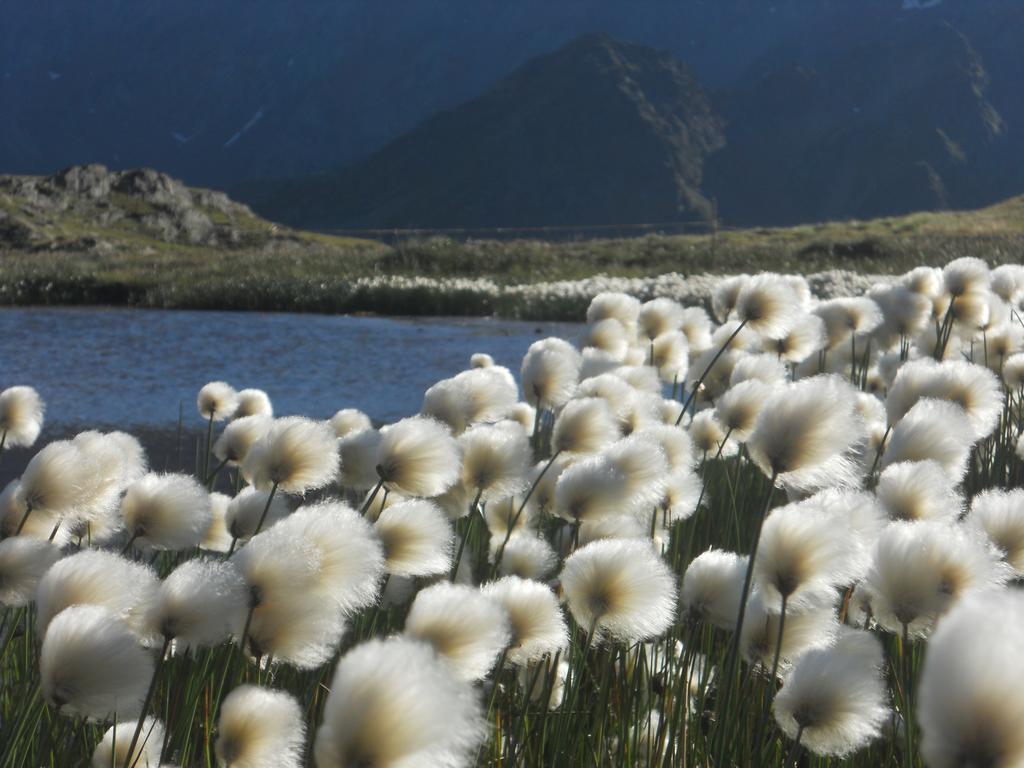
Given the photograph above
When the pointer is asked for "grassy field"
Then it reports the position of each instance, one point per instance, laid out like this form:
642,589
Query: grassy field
276,269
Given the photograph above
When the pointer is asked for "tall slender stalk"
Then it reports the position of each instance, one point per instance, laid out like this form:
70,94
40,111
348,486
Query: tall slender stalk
703,375
128,762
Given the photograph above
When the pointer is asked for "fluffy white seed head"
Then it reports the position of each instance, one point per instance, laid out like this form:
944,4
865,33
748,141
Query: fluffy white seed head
675,444
614,306
932,430
217,400
418,457
524,555
671,356
766,368
659,316
245,511
801,632
999,515
549,373
23,561
60,479
738,408
965,275
1008,282
38,524
712,586
302,630
918,490
767,305
495,460
349,420
621,589
969,701
608,335
537,625
588,490
166,511
724,295
806,432
835,697
417,539
113,748
199,603
524,415
697,326
21,416
216,538
973,387
462,625
253,402
585,425
91,665
358,452
683,491
239,436
848,316
296,454
260,728
708,436
393,702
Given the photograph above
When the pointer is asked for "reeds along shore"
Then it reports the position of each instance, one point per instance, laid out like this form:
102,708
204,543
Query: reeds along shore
787,532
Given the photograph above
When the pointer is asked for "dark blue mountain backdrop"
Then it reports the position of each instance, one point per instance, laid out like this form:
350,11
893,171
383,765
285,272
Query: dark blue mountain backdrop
780,111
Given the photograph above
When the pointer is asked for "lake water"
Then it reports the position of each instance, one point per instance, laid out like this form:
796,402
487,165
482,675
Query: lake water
128,367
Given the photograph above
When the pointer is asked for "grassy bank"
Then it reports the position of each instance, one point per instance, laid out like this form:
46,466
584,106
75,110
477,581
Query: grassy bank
309,272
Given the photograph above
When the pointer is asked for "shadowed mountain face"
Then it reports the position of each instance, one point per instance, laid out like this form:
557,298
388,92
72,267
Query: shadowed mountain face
598,132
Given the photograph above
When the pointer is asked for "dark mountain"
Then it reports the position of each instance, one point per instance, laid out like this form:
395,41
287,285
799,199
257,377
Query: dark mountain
597,132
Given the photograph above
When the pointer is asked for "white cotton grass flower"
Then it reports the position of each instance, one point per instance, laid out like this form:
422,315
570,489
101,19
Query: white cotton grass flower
117,462
358,453
585,425
683,491
495,461
523,555
245,511
216,537
611,526
295,455
445,402
716,370
481,360
393,702
932,430
510,516
697,326
767,305
835,698
712,588
417,539
594,362
199,603
709,437
670,356
659,316
641,471
918,490
217,401
166,511
966,275
671,413
524,414
486,393
59,479
253,402
975,656
640,410
97,577
608,335
23,561
675,443
349,420
926,281
999,347
1008,282
848,316
737,410
300,630
538,628
91,665
973,387
37,524
549,373
21,416
238,438
587,490
260,728
641,377
801,632
724,295
806,433
620,589
765,368
113,748
465,627
920,569
614,306
999,515
418,457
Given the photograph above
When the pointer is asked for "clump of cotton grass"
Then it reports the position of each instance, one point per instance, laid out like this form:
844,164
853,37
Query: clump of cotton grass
217,538
765,368
199,604
974,655
253,402
238,438
116,749
904,314
1008,282
683,494
260,728
21,417
608,335
246,510
587,490
393,702
918,490
671,413
641,473
58,480
999,515
834,699
806,433
16,519
848,317
737,410
767,639
549,373
523,414
696,325
477,395
417,539
670,356
709,437
97,577
920,569
166,511
973,387
538,628
418,457
712,588
619,589
932,430
349,420
495,461
217,401
675,444
614,306
585,425
523,555
358,453
295,455
659,316
966,275
767,305
466,628
23,561
91,665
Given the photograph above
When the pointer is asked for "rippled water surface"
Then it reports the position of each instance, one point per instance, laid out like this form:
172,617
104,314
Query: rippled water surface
128,367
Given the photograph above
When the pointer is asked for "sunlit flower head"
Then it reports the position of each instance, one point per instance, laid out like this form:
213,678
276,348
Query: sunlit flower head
296,455
999,514
21,416
614,306
23,561
725,294
932,429
249,507
217,401
114,748
550,371
239,436
608,335
966,274
416,537
918,490
358,452
418,457
709,437
523,555
166,511
216,538
801,632
697,326
659,316
712,587
737,410
768,306
844,317
537,625
349,420
260,728
199,603
585,425
495,460
253,402
671,355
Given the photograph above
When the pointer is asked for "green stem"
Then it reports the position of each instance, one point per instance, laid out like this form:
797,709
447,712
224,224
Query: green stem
697,384
266,509
128,763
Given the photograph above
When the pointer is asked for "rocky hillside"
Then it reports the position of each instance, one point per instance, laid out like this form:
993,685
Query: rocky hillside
87,208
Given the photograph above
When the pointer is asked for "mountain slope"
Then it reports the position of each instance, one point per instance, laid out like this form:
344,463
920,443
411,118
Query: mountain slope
597,132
